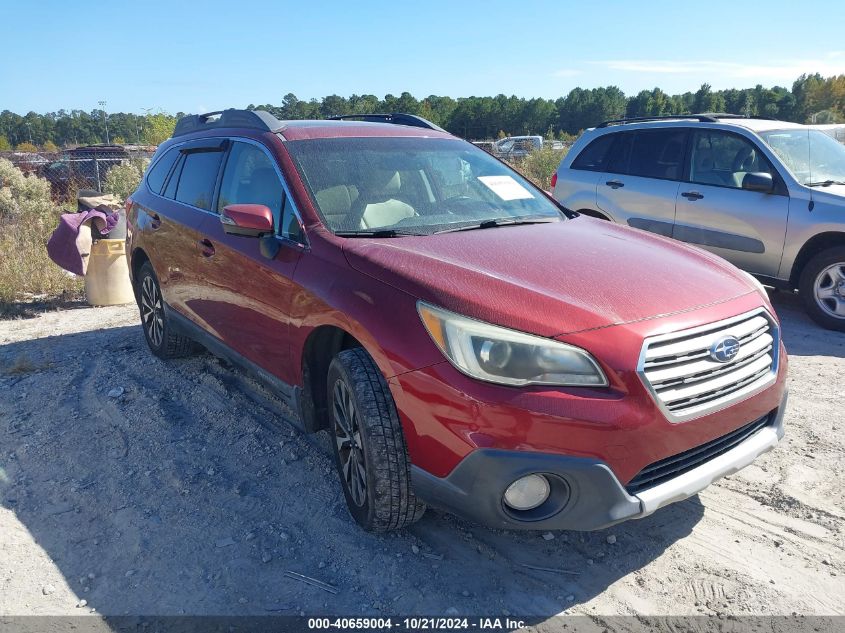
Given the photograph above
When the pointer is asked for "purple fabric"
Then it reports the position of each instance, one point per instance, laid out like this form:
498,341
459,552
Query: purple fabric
62,247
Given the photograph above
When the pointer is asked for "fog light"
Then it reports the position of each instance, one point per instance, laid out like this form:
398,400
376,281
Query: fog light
528,492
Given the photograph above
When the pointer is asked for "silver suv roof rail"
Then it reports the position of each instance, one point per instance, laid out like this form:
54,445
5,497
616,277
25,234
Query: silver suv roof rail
253,119
398,118
706,117
703,118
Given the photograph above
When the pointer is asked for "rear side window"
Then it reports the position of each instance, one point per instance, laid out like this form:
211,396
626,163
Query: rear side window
170,187
198,177
594,157
158,174
658,154
650,154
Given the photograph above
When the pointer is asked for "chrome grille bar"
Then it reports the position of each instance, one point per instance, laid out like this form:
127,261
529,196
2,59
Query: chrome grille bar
687,382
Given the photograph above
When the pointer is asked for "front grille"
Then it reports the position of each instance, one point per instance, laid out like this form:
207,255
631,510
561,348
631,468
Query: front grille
686,381
665,469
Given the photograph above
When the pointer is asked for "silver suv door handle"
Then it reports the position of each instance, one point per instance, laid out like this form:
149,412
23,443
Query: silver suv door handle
692,195
615,184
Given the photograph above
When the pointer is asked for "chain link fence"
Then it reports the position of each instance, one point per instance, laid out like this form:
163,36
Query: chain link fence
80,168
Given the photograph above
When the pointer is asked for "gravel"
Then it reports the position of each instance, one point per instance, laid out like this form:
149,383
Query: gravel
157,490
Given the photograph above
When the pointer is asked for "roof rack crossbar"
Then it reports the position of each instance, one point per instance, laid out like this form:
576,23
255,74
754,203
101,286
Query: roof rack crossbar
252,119
398,118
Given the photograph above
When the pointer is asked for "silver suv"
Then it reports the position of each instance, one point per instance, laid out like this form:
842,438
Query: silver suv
766,195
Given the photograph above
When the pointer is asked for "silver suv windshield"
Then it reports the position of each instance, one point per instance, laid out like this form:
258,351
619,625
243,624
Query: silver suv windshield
813,157
393,186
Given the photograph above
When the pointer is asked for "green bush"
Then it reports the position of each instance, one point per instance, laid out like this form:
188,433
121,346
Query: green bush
22,195
539,165
27,218
123,179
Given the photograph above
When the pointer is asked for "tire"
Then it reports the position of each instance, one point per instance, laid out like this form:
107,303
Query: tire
369,445
822,288
158,331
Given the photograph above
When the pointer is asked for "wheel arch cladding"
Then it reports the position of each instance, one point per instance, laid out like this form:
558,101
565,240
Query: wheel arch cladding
139,258
813,247
321,346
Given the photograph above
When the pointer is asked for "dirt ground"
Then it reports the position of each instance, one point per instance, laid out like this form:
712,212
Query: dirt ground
147,487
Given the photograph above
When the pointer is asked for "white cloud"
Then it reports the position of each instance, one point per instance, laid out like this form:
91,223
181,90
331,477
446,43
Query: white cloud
781,71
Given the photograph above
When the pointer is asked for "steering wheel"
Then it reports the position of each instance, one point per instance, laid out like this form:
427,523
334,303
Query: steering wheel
742,156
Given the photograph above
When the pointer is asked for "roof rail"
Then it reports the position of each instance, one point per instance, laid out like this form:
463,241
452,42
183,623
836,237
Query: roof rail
727,115
706,117
398,118
702,118
254,119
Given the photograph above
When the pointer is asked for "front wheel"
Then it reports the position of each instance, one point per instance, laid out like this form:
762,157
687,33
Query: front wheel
822,288
369,446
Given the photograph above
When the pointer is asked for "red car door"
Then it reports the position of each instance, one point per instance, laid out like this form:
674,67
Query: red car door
246,293
179,212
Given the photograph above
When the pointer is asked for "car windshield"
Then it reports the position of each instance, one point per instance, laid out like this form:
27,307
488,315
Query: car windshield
391,186
813,157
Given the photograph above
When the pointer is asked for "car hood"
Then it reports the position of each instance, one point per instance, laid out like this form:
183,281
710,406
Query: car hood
834,194
551,279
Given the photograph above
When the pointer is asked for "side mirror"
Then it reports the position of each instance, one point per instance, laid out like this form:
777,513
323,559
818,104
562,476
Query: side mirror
247,220
758,181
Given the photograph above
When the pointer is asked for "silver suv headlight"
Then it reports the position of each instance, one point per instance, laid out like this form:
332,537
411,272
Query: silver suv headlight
497,354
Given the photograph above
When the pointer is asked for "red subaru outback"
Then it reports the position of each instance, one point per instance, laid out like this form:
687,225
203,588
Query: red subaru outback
466,342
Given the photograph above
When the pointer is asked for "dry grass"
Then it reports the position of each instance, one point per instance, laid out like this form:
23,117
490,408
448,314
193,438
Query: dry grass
26,273
27,218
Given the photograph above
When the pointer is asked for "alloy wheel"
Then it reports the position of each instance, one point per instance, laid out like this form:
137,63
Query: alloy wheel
152,311
829,289
350,450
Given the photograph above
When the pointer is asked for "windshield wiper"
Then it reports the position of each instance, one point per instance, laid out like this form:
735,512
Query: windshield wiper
489,224
375,233
825,183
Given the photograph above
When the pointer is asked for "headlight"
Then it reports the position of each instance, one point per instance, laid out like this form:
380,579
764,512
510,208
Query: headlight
508,357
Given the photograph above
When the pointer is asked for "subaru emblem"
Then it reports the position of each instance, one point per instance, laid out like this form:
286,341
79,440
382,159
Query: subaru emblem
725,349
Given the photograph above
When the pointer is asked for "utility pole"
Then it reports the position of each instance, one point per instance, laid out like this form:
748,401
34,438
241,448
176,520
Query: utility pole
29,127
146,117
105,119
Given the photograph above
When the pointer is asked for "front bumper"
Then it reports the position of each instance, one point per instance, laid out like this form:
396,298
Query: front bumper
588,494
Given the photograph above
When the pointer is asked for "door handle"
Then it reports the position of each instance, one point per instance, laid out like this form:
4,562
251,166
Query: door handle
155,221
207,248
615,184
692,195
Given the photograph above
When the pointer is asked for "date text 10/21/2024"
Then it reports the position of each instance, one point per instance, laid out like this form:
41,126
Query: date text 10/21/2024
416,623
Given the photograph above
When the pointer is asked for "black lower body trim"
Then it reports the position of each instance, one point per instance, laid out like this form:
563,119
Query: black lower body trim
593,499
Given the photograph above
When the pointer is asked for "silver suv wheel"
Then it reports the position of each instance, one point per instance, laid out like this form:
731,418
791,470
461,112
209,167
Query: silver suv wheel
822,288
829,290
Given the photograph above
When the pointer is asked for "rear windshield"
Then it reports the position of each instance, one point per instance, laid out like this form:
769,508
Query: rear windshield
412,185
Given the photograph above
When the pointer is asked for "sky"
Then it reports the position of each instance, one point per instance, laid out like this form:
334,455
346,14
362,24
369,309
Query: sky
186,56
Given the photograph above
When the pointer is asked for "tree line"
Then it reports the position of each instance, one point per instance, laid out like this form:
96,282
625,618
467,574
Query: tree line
812,99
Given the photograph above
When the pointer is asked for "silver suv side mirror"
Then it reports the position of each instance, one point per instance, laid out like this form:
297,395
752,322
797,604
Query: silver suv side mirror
758,181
